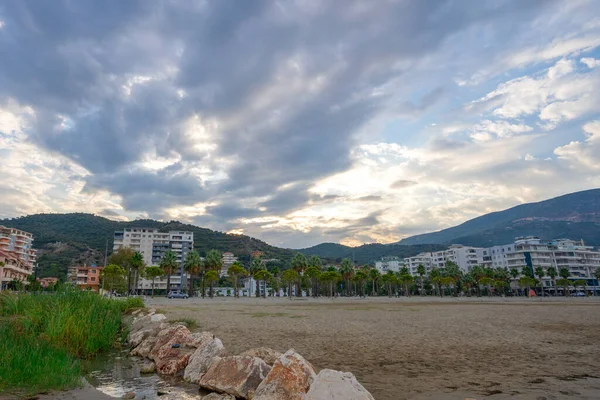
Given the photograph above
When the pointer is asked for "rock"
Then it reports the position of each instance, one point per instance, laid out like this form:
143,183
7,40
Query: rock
140,323
199,339
137,337
289,379
148,367
336,385
235,375
157,317
202,358
218,396
129,395
144,348
169,360
161,392
268,355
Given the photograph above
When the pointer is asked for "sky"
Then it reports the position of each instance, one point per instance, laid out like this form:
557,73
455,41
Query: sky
297,122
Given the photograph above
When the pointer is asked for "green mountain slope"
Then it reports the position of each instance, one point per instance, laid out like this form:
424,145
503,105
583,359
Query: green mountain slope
367,253
575,216
71,239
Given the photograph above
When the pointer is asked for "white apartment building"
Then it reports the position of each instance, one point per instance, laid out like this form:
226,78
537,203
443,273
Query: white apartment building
20,243
499,255
581,261
386,264
227,259
412,263
153,244
465,257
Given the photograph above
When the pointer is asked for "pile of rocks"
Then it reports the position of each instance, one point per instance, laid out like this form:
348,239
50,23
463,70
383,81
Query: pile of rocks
257,374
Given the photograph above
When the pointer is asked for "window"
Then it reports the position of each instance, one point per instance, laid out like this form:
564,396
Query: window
92,279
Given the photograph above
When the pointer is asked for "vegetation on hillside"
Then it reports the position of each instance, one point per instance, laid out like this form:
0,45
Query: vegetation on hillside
367,253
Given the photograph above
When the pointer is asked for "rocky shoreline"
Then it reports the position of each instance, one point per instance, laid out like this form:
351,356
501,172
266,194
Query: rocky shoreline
256,374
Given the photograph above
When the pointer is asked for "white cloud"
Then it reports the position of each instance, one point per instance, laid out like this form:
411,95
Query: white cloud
590,62
583,156
487,130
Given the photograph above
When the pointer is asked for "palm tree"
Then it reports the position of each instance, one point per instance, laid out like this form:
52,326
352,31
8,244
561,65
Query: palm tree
564,274
256,266
289,277
514,273
421,272
211,277
453,271
153,272
347,271
374,275
580,283
526,282
263,275
313,273
552,273
299,264
192,265
389,279
540,273
500,286
406,280
565,284
315,261
435,277
478,273
361,276
212,262
487,282
168,263
137,263
447,281
276,279
236,270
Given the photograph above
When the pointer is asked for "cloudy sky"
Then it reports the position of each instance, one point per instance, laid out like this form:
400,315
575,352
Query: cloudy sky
297,122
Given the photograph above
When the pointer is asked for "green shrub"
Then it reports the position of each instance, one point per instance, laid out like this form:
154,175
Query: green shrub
42,335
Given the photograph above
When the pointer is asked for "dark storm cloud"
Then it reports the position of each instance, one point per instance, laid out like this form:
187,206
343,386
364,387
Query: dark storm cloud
78,64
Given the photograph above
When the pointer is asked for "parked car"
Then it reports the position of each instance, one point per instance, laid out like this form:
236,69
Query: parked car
176,294
578,294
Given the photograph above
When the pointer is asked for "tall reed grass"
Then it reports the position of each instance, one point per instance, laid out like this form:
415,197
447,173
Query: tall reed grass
42,335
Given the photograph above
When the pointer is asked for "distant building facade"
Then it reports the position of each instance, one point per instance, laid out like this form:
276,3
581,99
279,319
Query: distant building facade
20,243
153,244
227,259
386,264
85,277
48,281
12,268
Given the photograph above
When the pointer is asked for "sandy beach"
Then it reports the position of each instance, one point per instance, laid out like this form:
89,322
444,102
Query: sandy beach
422,348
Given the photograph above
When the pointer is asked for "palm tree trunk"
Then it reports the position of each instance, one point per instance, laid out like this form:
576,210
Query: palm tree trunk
168,283
153,287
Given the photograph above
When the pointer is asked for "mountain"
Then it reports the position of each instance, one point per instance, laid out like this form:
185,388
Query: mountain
367,253
573,216
71,239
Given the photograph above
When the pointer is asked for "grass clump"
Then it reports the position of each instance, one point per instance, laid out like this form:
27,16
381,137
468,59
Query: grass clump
43,335
188,322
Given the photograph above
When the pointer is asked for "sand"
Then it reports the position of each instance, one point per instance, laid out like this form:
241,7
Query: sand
422,348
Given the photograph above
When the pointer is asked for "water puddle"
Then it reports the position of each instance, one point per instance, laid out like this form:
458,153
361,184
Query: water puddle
115,374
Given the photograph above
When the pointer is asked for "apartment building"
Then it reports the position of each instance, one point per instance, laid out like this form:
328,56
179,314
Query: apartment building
48,281
386,264
581,260
499,255
425,259
465,257
19,242
153,244
12,268
85,277
227,259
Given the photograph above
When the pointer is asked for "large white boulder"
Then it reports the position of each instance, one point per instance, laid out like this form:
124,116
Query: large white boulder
289,379
336,385
235,375
202,358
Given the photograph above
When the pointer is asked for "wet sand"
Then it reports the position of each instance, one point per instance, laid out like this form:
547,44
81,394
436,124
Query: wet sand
422,348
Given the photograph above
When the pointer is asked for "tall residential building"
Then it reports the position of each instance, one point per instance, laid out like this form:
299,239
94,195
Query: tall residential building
227,259
386,264
153,244
581,260
530,252
465,257
412,263
19,242
499,255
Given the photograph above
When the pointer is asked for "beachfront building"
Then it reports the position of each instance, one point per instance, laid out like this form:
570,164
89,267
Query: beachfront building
227,259
386,264
412,263
581,260
466,257
20,243
85,277
153,244
499,255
